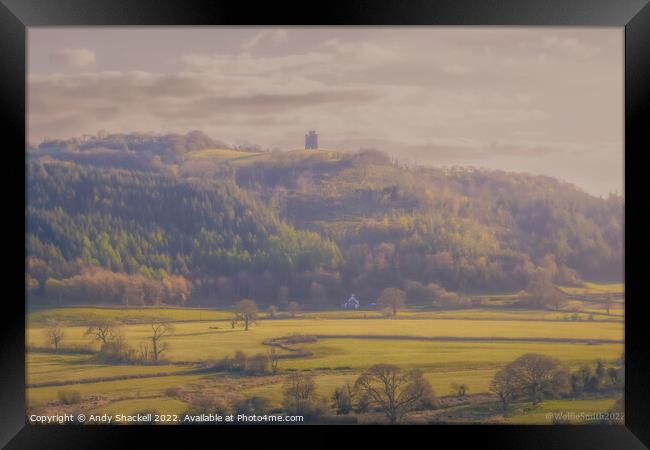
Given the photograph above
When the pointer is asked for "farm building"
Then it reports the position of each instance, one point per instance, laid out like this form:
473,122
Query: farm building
351,303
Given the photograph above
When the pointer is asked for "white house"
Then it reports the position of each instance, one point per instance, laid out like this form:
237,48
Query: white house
351,303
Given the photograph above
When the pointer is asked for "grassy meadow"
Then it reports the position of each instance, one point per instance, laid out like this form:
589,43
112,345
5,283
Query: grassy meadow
466,346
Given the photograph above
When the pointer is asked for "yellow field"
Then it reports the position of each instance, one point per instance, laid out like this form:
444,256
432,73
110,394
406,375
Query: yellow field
82,315
359,354
465,346
596,288
194,341
599,313
222,154
50,368
478,380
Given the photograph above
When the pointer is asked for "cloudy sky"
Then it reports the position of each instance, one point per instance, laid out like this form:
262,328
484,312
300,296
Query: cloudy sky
539,100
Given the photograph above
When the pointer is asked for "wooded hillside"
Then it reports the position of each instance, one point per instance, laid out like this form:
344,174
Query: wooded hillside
311,227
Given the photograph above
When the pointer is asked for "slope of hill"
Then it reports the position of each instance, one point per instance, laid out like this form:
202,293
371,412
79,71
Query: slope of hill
152,225
310,225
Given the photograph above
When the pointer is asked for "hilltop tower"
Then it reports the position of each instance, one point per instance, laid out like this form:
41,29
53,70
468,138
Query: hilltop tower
311,141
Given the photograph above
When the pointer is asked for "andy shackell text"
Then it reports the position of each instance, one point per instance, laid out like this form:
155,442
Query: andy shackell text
151,418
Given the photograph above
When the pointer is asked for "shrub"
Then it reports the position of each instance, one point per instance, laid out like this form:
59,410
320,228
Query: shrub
363,403
297,338
238,362
118,351
224,363
69,397
114,351
312,410
459,390
173,391
447,300
342,399
258,364
64,349
427,400
453,300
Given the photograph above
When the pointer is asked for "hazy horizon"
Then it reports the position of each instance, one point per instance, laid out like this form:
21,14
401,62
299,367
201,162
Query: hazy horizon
538,100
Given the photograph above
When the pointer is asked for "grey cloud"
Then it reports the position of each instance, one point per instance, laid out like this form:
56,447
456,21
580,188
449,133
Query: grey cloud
116,86
266,103
548,99
261,104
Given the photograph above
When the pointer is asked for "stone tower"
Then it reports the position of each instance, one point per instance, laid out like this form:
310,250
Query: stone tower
311,140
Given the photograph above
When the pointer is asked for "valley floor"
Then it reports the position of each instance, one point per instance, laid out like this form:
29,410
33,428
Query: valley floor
463,347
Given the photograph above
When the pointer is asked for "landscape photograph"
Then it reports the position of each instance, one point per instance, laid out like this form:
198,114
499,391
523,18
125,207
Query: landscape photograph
324,226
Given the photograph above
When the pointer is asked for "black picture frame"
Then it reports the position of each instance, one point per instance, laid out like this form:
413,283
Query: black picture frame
633,15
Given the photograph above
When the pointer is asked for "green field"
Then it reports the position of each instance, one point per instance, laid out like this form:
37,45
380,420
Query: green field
118,389
194,341
463,346
221,154
540,413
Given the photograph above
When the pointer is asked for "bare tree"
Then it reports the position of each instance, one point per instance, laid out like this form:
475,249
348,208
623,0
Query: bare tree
274,358
272,310
246,312
144,351
299,391
160,329
54,333
394,390
103,331
608,303
392,299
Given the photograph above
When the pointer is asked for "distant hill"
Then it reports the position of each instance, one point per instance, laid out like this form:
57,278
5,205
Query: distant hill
309,225
137,150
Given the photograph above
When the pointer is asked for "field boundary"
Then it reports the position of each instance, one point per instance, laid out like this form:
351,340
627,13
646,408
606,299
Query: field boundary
113,378
469,339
